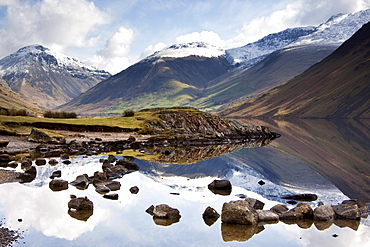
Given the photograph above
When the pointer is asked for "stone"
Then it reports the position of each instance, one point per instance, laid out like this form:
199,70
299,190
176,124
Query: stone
305,209
261,182
37,135
40,162
279,209
56,174
4,143
80,208
26,162
128,165
301,197
291,216
221,187
58,185
103,187
13,164
53,162
362,206
238,212
5,158
210,216
64,156
347,211
256,204
111,196
324,213
81,182
165,211
150,210
134,190
267,215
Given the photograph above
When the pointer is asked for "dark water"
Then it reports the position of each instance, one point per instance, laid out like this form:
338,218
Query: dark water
330,159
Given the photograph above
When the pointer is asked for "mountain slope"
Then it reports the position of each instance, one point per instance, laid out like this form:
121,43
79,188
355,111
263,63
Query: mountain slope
278,67
46,77
169,78
12,100
337,87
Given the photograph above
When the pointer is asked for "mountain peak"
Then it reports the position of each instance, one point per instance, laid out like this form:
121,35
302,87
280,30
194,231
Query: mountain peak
200,49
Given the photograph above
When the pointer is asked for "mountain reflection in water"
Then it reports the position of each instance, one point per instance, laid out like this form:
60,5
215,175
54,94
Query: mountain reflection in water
287,165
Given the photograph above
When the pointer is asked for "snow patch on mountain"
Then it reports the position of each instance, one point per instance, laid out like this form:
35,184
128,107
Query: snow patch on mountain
20,62
336,30
200,49
255,52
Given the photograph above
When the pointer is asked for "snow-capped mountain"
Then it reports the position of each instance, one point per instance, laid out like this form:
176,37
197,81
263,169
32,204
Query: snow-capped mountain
200,49
47,77
334,32
254,52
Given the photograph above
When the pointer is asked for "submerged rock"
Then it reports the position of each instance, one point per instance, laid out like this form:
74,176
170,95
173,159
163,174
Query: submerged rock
80,208
221,187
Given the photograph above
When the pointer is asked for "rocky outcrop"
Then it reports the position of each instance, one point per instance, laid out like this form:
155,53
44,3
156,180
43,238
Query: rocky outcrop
190,123
37,135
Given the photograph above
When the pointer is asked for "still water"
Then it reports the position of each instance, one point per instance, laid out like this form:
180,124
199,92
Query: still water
319,157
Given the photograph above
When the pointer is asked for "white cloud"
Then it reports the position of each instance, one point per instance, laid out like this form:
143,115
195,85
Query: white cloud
150,49
209,37
53,23
113,57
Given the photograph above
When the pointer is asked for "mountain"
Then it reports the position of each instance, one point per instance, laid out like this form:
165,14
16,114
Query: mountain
336,87
277,58
238,85
334,31
167,78
209,78
47,78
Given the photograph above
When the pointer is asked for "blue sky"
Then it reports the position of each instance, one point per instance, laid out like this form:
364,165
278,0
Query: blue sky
113,34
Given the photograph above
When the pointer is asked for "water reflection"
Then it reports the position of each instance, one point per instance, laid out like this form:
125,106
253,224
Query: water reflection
282,166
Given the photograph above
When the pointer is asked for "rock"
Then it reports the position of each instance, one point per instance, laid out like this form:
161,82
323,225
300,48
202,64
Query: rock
279,209
80,208
64,156
81,182
37,135
238,212
111,196
131,139
53,162
150,210
221,187
305,209
353,224
291,216
134,190
29,174
40,162
66,162
323,224
13,164
111,158
324,213
261,182
267,215
165,211
210,216
25,163
4,143
256,204
58,185
56,174
362,206
301,197
5,158
128,165
347,211
103,187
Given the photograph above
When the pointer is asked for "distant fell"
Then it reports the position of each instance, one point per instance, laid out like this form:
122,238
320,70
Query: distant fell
46,77
337,87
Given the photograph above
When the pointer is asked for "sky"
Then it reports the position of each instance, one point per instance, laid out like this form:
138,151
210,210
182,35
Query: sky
114,34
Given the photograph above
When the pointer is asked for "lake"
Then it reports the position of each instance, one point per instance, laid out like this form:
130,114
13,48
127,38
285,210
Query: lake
328,158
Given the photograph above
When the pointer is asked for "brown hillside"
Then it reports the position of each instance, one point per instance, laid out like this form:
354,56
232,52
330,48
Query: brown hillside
337,87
